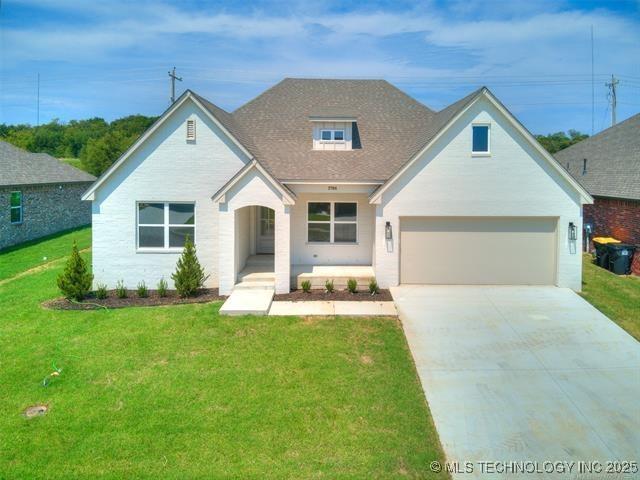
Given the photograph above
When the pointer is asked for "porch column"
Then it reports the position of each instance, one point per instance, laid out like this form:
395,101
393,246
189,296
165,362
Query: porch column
226,249
282,249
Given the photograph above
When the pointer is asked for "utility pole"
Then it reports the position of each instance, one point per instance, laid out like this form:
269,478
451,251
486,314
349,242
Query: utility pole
38,103
612,96
173,77
593,89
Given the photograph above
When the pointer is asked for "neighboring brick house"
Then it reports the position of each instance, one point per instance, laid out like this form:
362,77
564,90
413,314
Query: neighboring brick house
39,195
608,166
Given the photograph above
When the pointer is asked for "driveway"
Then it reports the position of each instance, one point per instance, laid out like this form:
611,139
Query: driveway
523,374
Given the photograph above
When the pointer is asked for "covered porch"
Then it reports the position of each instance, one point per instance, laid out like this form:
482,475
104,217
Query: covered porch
259,268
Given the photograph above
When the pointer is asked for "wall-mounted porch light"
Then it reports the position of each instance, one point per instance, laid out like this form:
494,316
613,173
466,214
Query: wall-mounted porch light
388,235
573,231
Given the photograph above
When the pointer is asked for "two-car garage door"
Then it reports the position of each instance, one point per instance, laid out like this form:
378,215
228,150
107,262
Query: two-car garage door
478,250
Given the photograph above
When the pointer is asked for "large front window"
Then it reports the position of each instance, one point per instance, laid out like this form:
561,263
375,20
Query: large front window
332,222
165,225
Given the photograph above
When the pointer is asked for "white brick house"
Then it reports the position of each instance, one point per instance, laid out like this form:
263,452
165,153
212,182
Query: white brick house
314,174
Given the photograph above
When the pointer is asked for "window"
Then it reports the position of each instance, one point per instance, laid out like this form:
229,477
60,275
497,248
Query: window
332,135
332,222
191,129
480,139
164,225
15,204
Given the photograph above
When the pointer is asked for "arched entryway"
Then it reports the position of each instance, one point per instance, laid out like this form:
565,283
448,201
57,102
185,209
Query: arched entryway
254,243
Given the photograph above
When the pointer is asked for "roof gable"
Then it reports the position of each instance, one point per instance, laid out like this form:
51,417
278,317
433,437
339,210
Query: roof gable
451,114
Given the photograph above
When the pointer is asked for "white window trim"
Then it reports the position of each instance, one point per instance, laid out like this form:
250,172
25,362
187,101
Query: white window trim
333,134
332,221
19,208
165,225
488,152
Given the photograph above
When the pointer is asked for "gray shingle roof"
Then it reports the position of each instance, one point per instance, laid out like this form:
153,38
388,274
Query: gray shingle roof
19,167
613,161
391,127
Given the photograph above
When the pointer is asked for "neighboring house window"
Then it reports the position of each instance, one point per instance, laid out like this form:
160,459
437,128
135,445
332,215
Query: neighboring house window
164,225
480,139
191,129
332,222
16,207
332,135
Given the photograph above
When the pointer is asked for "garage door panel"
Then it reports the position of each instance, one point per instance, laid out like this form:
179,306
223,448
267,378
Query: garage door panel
477,251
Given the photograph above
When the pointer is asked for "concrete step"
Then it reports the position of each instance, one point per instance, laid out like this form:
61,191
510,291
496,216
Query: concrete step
252,301
339,283
255,285
249,276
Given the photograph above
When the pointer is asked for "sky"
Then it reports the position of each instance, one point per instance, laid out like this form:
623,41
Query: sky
111,58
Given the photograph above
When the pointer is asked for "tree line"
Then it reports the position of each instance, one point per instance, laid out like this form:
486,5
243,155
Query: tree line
98,143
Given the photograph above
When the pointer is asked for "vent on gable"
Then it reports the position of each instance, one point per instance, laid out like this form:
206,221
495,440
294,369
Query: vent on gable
191,129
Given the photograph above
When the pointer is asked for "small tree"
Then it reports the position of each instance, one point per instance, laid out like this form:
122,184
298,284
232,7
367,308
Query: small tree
189,275
75,281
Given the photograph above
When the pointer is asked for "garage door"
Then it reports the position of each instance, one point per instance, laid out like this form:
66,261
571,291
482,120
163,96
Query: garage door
478,251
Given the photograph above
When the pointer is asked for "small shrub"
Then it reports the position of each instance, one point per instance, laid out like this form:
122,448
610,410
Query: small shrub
189,275
142,290
101,291
352,285
328,286
306,286
373,286
121,290
162,288
75,281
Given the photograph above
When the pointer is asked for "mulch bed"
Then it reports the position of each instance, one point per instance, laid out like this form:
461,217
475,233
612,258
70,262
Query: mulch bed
132,300
338,295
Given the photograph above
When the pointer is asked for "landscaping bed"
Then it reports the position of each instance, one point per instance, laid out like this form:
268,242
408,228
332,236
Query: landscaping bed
132,300
337,295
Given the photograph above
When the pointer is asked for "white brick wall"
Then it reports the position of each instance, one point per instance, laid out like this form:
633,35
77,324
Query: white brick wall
166,168
514,181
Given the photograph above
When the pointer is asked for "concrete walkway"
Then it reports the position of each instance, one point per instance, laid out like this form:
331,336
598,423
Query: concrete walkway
334,308
525,374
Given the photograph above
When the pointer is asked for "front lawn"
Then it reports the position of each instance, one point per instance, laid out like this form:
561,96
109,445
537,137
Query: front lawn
181,392
37,252
618,297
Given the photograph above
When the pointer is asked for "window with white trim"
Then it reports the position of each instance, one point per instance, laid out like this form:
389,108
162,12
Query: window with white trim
15,206
480,138
332,222
191,129
165,225
332,135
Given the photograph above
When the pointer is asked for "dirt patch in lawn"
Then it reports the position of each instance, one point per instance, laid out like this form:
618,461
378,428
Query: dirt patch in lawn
338,295
132,300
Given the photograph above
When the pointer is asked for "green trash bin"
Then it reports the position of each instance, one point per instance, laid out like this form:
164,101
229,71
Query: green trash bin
620,256
602,254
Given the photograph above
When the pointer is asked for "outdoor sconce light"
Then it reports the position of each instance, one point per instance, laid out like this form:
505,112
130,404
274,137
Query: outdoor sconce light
387,231
573,231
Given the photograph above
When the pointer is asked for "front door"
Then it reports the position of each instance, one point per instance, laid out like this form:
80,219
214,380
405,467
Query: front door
266,225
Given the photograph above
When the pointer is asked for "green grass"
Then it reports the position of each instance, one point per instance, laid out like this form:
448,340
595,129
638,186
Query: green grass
616,296
182,392
37,252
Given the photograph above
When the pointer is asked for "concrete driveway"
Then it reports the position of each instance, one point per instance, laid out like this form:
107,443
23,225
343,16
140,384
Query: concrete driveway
524,374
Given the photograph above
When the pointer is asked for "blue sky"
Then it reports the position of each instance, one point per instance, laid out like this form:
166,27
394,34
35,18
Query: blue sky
111,58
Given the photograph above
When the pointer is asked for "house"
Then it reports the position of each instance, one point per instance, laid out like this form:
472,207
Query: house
39,195
607,165
316,174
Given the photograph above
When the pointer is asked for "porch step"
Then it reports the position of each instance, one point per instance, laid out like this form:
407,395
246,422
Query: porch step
248,301
255,285
340,274
248,275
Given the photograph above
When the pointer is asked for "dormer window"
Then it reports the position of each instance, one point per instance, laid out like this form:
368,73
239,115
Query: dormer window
332,135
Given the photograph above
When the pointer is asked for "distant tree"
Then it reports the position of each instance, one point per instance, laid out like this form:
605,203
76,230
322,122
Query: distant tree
554,142
100,153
